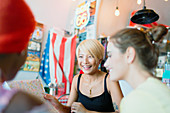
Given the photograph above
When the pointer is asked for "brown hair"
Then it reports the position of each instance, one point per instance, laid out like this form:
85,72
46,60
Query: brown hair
146,51
156,33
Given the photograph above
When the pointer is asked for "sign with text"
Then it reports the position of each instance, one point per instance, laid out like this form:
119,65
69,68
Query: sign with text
82,15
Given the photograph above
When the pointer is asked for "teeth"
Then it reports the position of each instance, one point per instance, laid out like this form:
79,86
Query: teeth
86,67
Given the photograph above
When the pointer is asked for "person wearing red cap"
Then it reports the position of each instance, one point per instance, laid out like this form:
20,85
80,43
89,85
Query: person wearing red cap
16,25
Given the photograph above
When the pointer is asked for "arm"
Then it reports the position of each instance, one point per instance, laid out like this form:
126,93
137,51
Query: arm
115,92
77,107
22,102
73,93
54,101
72,98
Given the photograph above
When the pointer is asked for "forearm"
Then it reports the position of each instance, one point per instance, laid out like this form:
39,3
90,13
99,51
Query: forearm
63,109
101,112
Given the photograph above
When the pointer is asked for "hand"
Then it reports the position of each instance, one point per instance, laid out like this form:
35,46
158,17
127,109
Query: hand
77,107
53,100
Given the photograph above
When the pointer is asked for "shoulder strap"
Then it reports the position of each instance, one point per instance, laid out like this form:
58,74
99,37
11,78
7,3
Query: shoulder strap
78,82
105,84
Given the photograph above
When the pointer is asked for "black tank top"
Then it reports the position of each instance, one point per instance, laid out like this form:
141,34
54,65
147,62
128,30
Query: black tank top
101,103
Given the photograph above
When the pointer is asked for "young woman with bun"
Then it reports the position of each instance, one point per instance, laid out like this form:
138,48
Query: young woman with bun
133,56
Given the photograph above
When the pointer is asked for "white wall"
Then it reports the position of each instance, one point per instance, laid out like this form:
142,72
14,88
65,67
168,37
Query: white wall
60,13
53,13
108,23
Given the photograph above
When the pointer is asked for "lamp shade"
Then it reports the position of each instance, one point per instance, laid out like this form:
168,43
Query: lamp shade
144,16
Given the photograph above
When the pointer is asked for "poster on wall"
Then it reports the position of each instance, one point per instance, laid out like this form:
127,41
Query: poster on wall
82,15
32,62
92,10
85,19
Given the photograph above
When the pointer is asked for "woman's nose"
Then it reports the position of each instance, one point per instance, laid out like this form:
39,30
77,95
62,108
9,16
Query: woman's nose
85,60
105,64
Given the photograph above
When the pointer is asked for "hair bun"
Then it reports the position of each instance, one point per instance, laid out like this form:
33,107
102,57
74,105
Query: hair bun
156,33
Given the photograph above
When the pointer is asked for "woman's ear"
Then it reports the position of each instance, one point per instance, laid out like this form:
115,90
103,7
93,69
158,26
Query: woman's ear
100,61
130,54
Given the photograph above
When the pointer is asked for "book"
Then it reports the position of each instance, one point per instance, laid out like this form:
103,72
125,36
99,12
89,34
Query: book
33,87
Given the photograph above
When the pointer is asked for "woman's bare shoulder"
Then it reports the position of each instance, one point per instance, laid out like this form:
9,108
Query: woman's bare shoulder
75,78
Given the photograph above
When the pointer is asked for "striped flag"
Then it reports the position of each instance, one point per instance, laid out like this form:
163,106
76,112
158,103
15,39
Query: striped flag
62,57
44,66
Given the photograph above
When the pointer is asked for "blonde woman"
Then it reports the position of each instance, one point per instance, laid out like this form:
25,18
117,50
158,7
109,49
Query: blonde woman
91,91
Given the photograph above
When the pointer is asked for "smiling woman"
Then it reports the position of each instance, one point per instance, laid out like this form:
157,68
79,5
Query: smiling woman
135,55
91,91
90,52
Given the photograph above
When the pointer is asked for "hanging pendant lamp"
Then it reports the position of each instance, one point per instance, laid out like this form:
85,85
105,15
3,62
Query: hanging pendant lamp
145,16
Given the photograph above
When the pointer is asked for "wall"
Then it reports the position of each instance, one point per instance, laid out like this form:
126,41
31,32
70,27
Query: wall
108,23
53,13
60,13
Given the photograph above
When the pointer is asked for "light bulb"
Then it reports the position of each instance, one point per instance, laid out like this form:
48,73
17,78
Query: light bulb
166,0
139,2
117,13
165,41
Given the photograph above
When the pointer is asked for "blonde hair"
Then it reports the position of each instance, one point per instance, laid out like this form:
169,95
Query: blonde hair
92,47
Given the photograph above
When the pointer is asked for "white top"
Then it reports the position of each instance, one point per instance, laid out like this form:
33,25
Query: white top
150,97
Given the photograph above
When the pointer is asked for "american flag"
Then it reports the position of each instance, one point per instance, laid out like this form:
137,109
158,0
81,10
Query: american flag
44,66
57,63
62,57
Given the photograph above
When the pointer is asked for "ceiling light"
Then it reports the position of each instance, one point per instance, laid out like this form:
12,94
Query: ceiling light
117,13
139,2
145,16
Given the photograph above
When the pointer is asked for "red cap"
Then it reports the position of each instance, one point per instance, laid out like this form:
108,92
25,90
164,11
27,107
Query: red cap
16,24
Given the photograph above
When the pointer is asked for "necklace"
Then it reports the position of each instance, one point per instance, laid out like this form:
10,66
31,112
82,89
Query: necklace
90,86
93,85
90,91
